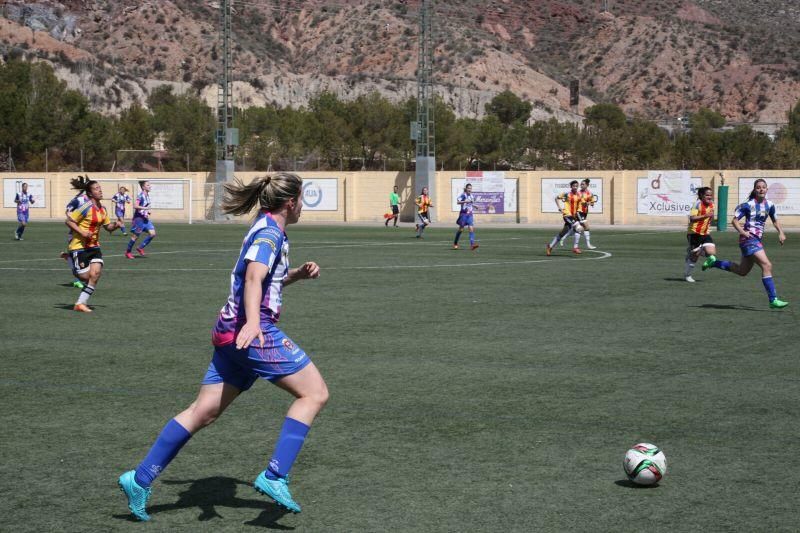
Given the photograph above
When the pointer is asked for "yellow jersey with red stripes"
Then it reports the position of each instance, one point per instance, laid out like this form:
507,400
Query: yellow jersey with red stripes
89,217
423,202
702,226
587,199
572,203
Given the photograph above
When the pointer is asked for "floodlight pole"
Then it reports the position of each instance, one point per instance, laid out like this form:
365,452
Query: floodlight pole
227,137
425,134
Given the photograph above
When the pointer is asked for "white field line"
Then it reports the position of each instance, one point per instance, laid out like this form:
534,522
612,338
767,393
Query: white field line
601,255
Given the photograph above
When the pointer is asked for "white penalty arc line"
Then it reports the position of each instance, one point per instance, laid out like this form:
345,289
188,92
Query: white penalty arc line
602,255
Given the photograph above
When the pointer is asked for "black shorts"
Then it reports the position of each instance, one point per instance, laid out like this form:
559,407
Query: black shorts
81,259
696,240
395,210
569,221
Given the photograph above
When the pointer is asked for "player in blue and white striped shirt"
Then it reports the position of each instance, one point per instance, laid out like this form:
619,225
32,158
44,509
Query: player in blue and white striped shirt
754,212
248,345
24,200
141,221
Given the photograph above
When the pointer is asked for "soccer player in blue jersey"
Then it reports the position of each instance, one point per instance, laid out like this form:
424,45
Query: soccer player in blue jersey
754,212
141,221
248,345
119,200
24,200
466,217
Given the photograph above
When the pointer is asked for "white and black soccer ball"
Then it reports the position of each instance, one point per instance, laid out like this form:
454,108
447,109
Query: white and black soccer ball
645,464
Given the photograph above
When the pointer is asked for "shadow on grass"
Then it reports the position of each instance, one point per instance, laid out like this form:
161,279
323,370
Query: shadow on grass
683,280
724,307
211,493
628,484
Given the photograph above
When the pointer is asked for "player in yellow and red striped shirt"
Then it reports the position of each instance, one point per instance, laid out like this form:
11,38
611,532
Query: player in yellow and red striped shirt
85,222
700,241
569,203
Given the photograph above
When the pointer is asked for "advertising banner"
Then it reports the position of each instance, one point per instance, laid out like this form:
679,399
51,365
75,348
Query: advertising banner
509,196
321,194
666,193
488,188
552,187
783,192
11,186
163,195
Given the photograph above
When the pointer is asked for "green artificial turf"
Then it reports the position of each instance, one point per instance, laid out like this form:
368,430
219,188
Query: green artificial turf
495,390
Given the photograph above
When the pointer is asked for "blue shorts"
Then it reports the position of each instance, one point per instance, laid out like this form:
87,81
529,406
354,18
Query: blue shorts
751,247
22,216
465,220
120,213
139,225
279,357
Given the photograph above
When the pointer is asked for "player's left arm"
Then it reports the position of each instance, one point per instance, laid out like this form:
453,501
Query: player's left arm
309,270
777,224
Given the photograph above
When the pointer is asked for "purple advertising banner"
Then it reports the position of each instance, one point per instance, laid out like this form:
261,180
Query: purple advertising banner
489,203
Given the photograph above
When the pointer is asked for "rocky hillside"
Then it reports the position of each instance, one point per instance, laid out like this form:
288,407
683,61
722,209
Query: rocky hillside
658,59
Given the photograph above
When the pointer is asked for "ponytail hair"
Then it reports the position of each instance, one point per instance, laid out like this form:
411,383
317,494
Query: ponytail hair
141,183
586,181
82,184
269,192
753,192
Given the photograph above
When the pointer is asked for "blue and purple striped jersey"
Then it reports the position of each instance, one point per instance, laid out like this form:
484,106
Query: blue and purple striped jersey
143,199
466,207
76,202
265,243
23,201
755,216
120,200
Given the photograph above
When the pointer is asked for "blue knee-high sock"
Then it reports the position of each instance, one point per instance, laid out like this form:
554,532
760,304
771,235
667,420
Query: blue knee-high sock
20,230
147,241
471,238
290,441
458,236
723,265
165,448
122,227
131,243
769,286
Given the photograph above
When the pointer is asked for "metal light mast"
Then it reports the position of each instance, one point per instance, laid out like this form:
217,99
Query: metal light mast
425,127
227,137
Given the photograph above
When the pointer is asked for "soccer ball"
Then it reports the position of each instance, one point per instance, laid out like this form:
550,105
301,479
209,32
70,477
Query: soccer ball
645,464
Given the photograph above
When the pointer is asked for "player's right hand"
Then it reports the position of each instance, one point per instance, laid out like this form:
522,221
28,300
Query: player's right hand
247,334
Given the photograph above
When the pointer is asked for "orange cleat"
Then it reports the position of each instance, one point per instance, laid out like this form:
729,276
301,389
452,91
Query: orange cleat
140,251
474,246
82,308
128,255
576,251
548,250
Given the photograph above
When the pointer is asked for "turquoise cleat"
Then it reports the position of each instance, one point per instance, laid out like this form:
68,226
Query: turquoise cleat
778,304
137,496
278,490
708,263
